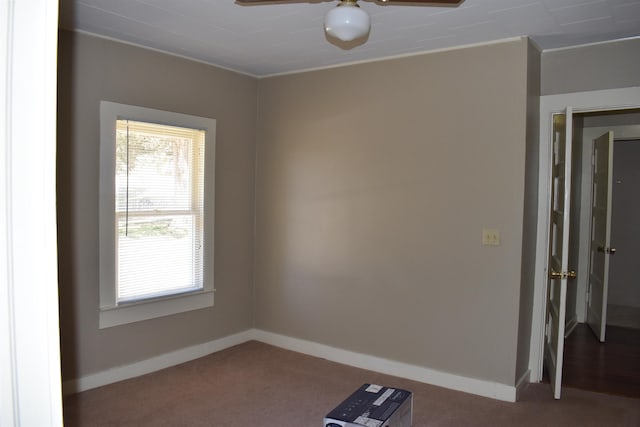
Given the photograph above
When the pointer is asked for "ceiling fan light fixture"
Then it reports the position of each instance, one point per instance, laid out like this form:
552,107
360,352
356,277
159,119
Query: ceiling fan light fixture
347,21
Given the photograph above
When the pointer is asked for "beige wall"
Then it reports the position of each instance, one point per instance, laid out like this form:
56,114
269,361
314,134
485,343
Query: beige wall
592,67
530,220
90,70
387,221
374,182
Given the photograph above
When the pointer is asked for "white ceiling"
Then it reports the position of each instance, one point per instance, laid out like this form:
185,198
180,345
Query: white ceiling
282,37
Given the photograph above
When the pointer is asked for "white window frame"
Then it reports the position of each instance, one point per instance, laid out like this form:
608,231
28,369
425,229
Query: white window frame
111,313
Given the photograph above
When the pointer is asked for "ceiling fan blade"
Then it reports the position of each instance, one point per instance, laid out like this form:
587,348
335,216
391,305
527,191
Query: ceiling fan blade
278,1
433,2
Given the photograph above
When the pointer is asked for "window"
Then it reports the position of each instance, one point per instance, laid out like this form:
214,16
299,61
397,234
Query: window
158,210
156,222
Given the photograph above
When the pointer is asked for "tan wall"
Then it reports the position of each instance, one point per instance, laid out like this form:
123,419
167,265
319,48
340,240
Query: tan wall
90,70
530,221
374,182
593,67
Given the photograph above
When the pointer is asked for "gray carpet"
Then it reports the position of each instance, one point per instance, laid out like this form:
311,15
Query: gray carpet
255,384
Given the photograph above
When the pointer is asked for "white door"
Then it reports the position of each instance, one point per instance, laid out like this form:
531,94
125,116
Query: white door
558,249
600,248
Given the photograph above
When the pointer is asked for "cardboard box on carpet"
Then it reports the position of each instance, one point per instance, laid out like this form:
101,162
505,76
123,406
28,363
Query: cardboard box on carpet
373,406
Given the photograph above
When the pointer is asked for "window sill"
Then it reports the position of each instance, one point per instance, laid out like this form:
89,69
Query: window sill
145,310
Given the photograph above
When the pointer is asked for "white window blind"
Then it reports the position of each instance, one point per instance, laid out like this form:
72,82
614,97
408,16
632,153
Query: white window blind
159,209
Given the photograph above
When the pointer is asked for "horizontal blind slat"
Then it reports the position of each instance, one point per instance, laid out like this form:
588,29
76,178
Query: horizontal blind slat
159,210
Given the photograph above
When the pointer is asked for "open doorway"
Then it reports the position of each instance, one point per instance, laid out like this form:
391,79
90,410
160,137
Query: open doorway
603,102
605,359
624,276
623,293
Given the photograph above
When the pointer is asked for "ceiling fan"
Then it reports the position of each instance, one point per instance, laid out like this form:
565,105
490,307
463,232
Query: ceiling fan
348,22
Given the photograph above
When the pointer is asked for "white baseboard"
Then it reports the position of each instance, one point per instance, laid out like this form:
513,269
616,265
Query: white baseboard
153,364
417,373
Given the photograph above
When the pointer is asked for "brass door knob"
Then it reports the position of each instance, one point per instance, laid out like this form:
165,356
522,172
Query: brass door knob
563,275
611,251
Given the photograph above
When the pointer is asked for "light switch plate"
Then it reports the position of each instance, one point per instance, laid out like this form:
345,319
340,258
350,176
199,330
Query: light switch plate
490,237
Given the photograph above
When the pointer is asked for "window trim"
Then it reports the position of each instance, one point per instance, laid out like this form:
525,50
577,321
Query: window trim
110,312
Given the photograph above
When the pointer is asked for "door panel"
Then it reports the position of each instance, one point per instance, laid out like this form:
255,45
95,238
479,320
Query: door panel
600,247
558,248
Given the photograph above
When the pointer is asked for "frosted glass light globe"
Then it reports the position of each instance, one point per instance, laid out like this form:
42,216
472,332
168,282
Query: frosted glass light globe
347,22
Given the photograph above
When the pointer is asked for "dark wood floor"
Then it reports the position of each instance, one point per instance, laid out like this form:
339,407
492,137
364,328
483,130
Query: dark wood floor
612,367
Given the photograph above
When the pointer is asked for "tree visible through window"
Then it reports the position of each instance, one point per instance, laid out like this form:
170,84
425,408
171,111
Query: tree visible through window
159,182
